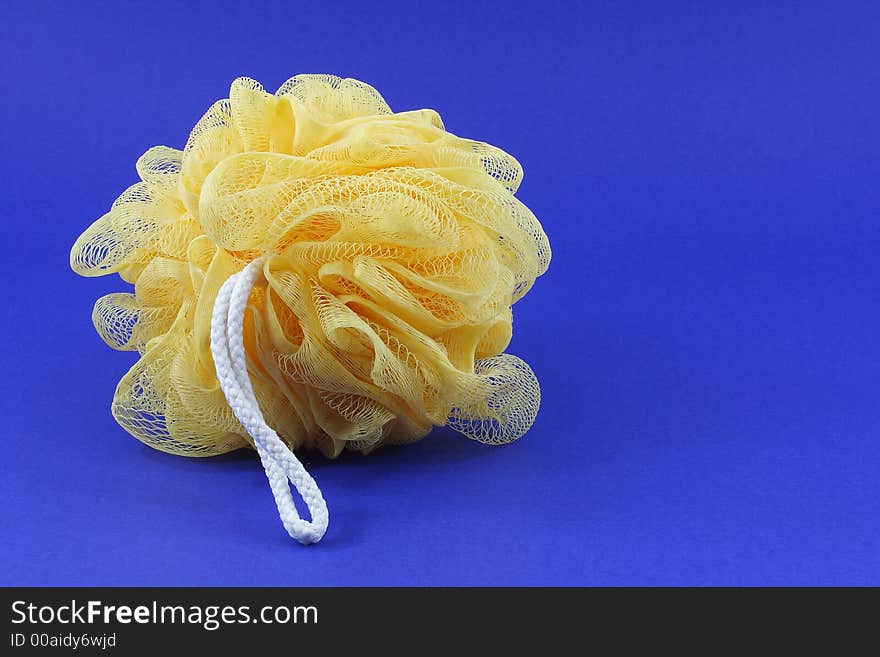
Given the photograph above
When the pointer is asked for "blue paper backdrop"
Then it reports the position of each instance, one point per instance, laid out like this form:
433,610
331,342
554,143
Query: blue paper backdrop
705,337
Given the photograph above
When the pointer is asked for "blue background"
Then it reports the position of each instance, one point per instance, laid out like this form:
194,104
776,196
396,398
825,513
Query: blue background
705,336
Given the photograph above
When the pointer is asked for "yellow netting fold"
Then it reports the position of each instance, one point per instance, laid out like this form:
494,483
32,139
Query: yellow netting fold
395,251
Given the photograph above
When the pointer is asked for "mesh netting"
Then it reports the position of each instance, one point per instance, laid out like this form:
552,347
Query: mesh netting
395,250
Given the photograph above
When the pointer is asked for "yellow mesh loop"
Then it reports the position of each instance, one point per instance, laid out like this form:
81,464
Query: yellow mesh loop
393,253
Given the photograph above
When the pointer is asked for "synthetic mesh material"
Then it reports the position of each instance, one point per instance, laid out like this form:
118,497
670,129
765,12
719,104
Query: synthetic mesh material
395,251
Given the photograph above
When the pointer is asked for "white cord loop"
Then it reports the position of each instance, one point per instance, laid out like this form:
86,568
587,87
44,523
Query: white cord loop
279,462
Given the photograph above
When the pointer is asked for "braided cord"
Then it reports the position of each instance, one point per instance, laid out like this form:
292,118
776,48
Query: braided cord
281,465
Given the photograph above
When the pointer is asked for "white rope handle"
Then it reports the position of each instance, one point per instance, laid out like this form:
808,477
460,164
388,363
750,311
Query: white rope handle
281,465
